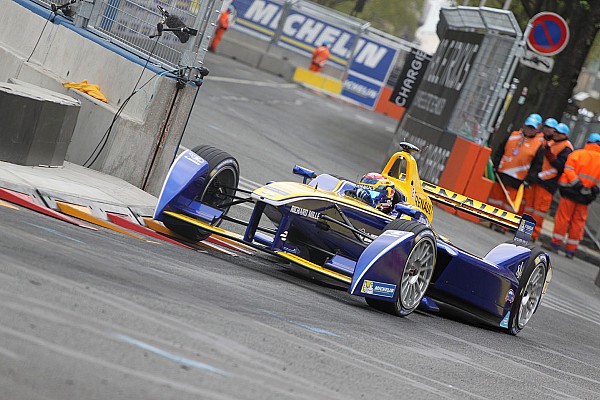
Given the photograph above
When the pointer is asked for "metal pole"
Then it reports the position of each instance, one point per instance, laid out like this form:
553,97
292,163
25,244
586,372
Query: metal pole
359,33
506,4
205,23
84,13
285,11
518,54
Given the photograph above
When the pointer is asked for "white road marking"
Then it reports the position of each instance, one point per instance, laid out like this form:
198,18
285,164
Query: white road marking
68,352
8,353
170,356
572,308
54,232
334,106
254,83
248,184
308,95
364,119
216,128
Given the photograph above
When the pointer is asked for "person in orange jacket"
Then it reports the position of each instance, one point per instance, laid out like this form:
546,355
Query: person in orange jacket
320,56
512,161
579,186
548,165
222,26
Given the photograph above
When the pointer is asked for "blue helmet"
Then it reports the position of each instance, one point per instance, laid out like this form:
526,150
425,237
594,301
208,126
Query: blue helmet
551,123
532,121
563,128
594,138
326,43
536,117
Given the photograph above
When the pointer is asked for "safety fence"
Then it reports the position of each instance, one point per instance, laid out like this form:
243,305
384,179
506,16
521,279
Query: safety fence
369,60
133,25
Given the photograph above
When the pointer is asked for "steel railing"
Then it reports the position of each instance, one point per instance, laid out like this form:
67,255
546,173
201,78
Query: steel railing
131,23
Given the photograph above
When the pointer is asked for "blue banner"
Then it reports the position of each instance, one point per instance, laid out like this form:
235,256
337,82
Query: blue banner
361,90
302,33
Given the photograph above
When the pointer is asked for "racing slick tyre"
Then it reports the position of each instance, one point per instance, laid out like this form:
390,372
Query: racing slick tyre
531,285
218,191
417,271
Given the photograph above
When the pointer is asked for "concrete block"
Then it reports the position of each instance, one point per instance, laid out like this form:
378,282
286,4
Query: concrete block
277,65
10,65
241,52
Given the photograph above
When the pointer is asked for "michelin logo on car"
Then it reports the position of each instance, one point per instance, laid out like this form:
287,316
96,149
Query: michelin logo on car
378,288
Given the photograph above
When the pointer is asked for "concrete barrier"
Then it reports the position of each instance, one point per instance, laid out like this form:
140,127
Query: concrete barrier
136,149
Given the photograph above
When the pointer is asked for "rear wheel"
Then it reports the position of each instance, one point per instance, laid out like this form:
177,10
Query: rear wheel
530,290
417,271
217,192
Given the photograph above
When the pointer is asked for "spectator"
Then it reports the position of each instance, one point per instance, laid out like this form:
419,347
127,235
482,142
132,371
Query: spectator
320,56
578,187
358,7
542,180
512,160
222,26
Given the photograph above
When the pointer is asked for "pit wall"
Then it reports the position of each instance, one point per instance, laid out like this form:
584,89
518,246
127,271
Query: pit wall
134,150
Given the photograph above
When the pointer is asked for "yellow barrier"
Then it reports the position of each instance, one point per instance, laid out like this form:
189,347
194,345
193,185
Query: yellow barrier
318,80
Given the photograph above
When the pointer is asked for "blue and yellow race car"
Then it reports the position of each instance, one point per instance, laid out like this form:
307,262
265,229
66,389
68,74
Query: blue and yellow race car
386,251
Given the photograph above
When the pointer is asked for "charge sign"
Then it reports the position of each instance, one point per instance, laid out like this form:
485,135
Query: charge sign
549,34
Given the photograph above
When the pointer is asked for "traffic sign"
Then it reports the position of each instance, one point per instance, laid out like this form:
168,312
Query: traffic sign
549,34
536,61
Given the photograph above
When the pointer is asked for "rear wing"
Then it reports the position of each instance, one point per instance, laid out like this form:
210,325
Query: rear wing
406,171
471,206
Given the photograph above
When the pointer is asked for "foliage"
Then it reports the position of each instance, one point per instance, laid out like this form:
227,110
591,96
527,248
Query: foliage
400,18
548,92
583,17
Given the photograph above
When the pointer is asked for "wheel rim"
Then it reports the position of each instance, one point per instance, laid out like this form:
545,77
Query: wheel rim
220,189
531,295
417,273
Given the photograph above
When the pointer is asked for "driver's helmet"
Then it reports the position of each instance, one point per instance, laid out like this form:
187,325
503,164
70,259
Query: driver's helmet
377,191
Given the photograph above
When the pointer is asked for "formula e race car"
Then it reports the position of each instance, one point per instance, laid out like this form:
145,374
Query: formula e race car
394,259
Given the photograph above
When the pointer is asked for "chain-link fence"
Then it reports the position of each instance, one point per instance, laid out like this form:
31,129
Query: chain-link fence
132,24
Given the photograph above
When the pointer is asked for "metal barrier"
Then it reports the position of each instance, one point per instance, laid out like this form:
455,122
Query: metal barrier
132,23
363,58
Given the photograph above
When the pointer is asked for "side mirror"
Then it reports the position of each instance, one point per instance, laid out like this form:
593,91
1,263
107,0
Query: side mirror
304,172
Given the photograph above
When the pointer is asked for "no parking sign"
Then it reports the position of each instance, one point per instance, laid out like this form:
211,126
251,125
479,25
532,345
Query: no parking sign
549,34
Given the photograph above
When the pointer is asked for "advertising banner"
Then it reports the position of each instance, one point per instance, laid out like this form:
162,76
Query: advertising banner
426,122
445,78
302,32
409,79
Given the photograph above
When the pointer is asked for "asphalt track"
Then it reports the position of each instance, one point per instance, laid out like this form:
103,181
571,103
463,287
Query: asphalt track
98,315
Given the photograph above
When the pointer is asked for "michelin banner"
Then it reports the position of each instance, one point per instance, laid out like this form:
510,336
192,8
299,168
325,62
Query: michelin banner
302,32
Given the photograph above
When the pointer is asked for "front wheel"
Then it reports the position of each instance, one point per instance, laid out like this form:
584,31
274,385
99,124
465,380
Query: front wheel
217,192
531,286
417,271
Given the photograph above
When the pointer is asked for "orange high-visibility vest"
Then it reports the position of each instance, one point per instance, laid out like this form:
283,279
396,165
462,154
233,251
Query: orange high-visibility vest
582,166
548,171
518,154
320,55
223,22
